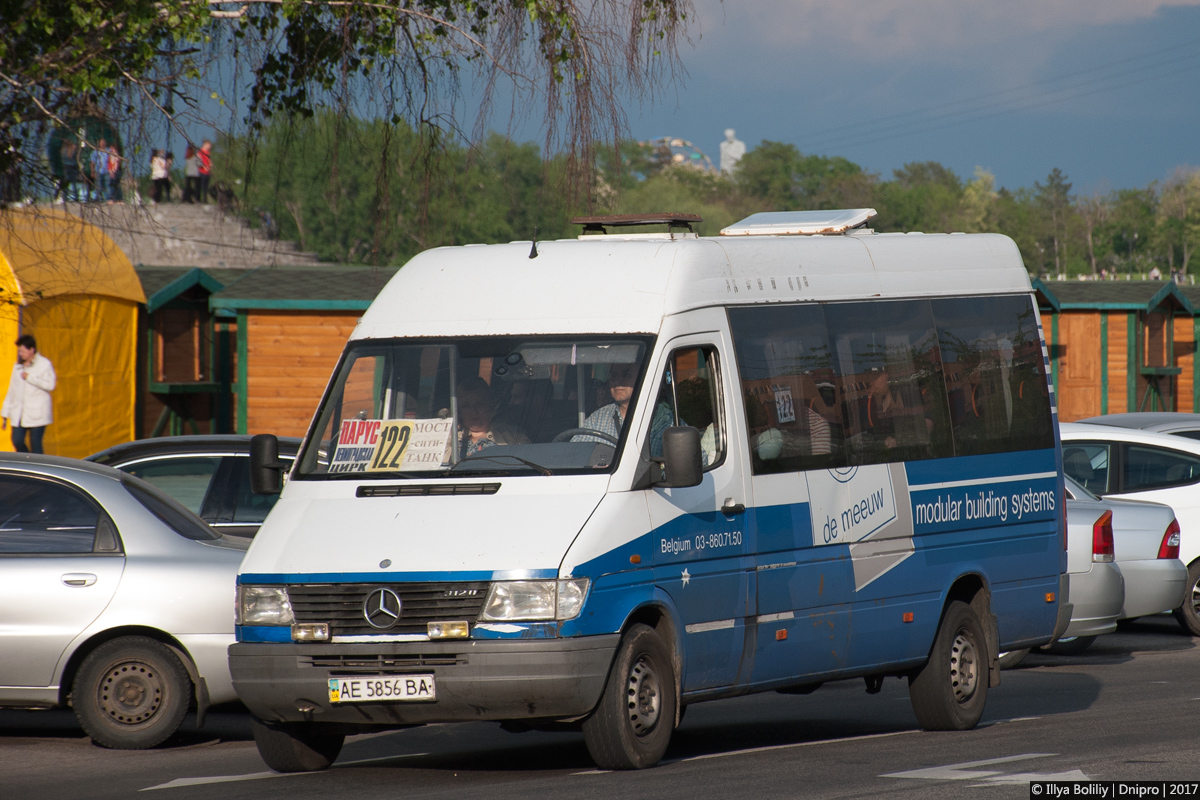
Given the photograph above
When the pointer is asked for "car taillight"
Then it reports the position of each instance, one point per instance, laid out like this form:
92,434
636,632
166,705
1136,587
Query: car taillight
1102,538
1170,543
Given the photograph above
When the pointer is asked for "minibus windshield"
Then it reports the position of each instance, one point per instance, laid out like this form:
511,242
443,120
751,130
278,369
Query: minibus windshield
476,406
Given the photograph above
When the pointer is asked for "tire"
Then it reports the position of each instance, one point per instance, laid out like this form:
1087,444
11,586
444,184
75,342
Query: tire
632,725
1011,658
1188,614
1069,647
295,747
131,693
950,691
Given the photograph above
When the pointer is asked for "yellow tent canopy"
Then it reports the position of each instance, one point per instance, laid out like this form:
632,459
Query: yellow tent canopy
66,283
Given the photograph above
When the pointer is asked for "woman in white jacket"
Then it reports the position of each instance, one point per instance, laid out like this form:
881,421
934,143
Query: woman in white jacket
27,404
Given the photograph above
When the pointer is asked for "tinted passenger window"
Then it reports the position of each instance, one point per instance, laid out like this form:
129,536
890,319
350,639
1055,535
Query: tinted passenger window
889,368
689,394
40,516
1154,467
995,374
841,383
1087,463
838,384
186,479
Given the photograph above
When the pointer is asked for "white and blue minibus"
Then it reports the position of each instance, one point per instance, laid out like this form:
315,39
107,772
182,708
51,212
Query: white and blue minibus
586,483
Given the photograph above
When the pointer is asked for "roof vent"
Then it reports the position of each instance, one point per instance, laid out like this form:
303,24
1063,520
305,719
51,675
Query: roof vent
600,224
808,223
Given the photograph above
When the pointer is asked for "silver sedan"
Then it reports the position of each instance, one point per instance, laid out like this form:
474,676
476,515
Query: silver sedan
114,599
1146,548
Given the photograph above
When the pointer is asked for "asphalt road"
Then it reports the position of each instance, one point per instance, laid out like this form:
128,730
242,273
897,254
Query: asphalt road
1127,709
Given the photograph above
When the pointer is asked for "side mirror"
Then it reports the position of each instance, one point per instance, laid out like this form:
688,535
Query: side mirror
681,460
266,470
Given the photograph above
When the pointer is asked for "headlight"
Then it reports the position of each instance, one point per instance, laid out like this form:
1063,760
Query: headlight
264,605
534,600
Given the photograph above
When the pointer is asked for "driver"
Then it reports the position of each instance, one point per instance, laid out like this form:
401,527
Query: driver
610,419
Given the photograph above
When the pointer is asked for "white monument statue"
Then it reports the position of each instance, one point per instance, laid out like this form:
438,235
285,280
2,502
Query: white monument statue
732,150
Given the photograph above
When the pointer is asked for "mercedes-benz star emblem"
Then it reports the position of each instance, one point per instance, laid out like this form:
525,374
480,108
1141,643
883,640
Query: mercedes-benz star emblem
382,609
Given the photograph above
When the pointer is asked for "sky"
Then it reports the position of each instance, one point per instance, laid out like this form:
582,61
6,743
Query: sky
1108,91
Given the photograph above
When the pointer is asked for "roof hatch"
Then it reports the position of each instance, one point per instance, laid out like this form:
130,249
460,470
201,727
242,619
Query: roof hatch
599,224
780,223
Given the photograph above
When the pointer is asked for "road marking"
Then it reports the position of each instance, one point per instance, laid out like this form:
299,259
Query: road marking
1029,777
767,749
256,776
965,771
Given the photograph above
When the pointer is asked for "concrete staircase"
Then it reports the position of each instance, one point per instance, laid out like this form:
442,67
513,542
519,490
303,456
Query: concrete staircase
187,235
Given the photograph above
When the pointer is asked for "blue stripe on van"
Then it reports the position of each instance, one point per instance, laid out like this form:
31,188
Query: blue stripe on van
273,578
263,633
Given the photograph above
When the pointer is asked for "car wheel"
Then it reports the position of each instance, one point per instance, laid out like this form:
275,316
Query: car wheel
949,692
1069,647
131,693
632,725
296,747
1188,614
1011,658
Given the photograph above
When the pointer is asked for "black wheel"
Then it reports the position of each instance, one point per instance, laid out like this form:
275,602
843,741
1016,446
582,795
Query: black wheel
632,726
569,433
1011,658
1188,614
295,746
131,693
1069,647
949,692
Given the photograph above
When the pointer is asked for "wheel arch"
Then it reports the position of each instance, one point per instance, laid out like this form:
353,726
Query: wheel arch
972,588
657,614
71,669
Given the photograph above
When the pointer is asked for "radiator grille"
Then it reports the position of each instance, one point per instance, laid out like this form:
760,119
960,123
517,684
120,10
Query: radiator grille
368,664
341,605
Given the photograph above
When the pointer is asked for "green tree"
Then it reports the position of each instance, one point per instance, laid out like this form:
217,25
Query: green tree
923,196
1179,217
143,65
1054,199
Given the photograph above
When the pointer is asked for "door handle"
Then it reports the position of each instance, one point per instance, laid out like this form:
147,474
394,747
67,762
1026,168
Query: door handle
731,508
79,579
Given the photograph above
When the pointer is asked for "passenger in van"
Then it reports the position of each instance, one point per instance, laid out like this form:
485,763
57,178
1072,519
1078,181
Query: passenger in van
813,437
877,409
478,428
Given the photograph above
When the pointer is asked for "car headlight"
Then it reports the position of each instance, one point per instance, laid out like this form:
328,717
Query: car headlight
510,601
264,605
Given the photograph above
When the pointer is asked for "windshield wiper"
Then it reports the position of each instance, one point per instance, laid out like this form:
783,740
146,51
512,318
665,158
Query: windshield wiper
484,457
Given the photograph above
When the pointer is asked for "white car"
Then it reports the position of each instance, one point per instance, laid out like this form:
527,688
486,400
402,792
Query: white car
114,599
1117,462
1176,423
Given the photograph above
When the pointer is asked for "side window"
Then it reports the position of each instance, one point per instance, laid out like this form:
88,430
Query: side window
185,478
995,374
249,508
41,516
1087,464
789,387
690,394
1155,467
889,369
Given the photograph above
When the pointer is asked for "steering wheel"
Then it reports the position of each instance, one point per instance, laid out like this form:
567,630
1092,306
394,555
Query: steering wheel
570,433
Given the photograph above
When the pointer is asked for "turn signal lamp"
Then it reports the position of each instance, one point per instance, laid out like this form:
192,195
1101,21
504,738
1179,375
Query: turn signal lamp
311,632
449,630
1102,539
1170,541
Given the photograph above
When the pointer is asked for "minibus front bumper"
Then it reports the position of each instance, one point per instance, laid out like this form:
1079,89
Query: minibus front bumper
555,679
